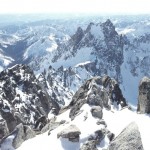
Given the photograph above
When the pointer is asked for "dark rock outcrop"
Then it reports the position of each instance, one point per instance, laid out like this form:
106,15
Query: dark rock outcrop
101,122
54,81
96,139
89,145
77,37
10,119
4,131
98,91
97,112
144,96
22,97
72,133
110,136
128,139
100,135
41,122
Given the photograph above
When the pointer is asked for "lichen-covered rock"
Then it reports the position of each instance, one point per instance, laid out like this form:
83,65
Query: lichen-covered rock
144,96
72,133
28,132
22,133
19,136
128,139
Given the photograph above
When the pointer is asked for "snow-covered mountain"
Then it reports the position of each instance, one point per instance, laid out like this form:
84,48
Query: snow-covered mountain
23,99
86,71
98,50
97,118
78,50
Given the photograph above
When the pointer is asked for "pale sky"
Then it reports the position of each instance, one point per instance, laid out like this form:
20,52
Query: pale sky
90,6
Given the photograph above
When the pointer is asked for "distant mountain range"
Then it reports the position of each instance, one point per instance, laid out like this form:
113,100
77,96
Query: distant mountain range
68,72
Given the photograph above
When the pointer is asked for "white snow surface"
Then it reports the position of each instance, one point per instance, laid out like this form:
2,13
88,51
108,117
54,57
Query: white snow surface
97,31
126,31
116,121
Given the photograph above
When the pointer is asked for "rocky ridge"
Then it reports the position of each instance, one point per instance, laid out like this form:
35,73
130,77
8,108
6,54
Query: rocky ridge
22,99
96,96
98,91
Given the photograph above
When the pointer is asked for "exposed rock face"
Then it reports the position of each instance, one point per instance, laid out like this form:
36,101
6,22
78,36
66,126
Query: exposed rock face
100,135
77,37
41,122
96,139
110,136
103,43
17,137
28,132
3,128
90,145
10,119
22,133
144,96
71,133
98,91
128,139
55,82
23,99
97,112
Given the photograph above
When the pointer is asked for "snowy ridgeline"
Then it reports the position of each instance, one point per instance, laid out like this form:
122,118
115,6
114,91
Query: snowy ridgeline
116,122
97,117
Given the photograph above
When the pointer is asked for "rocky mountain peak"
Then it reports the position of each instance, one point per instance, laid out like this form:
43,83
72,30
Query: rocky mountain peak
89,27
98,91
108,28
76,38
108,23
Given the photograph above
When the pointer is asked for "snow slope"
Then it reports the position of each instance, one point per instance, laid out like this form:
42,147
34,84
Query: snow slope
116,121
